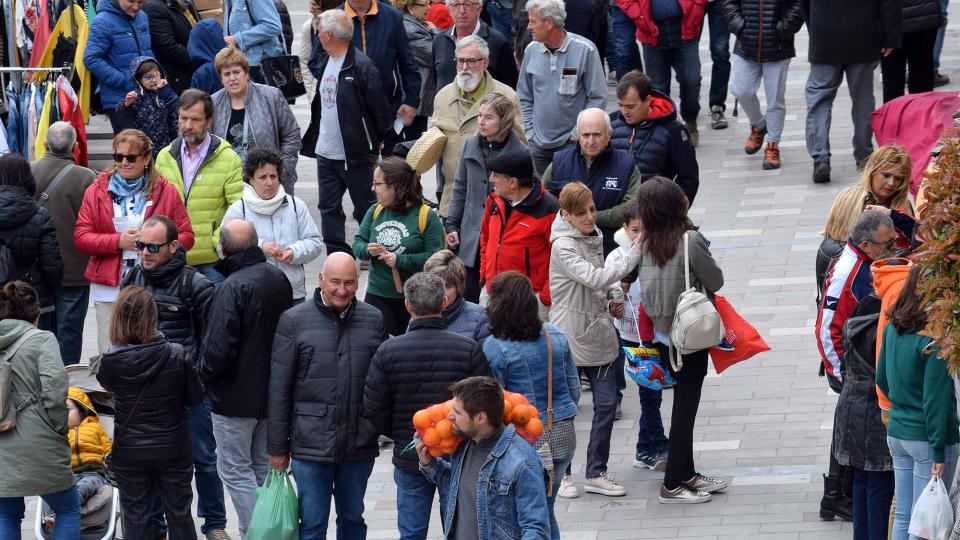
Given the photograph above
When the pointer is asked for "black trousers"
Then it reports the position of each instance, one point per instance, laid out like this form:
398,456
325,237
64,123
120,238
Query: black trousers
917,52
140,481
686,402
471,289
395,316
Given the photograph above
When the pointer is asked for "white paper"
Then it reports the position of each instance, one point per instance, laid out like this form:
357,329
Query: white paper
398,125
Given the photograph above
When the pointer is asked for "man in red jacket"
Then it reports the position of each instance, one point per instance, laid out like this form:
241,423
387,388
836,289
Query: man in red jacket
515,233
670,33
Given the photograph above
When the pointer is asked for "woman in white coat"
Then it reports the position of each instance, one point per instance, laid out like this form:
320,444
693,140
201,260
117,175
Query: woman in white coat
287,233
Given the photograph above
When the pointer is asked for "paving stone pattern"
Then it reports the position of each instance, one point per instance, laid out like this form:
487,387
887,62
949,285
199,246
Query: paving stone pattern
764,425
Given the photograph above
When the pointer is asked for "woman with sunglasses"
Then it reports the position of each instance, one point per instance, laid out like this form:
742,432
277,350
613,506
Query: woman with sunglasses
113,208
288,235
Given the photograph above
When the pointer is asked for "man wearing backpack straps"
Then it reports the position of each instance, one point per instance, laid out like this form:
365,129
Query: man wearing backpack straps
182,295
60,186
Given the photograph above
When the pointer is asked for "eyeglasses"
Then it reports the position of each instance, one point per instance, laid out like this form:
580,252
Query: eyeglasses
469,62
888,244
151,77
131,158
380,184
462,5
151,248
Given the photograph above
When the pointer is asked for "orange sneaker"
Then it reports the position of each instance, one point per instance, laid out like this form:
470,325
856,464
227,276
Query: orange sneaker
771,157
754,141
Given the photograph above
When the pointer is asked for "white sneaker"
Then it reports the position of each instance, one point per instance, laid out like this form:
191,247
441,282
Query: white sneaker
568,490
604,486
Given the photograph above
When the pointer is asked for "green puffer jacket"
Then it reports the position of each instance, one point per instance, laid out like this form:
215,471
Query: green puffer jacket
35,455
208,199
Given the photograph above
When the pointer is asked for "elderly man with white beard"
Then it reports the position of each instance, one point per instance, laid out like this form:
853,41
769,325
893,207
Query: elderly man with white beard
457,106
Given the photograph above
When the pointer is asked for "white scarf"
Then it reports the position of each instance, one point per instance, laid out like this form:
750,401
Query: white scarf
264,207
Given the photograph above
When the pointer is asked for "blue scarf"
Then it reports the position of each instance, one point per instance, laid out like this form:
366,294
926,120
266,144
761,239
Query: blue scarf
121,189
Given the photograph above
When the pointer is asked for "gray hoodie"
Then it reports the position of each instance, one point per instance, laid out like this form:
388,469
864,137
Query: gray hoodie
582,290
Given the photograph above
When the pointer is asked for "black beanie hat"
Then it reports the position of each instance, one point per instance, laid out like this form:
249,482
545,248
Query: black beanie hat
518,164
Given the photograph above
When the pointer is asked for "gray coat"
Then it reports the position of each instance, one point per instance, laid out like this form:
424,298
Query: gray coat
271,125
35,454
421,43
471,186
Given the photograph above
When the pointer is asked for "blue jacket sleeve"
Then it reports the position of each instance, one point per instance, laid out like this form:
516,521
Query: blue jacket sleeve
531,501
265,24
99,44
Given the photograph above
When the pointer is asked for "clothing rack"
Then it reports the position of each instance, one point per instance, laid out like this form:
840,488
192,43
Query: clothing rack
65,69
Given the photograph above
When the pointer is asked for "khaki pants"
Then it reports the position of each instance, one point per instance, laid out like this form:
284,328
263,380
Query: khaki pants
103,311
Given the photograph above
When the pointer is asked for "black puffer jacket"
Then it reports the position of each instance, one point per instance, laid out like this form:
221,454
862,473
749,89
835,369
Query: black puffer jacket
919,15
173,285
859,436
241,321
851,31
169,36
413,371
764,28
320,364
660,145
157,428
28,232
286,25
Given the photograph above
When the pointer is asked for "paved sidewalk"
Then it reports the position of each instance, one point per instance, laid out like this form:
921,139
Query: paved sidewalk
764,425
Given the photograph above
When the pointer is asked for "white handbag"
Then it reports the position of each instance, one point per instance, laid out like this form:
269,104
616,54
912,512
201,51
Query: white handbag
696,323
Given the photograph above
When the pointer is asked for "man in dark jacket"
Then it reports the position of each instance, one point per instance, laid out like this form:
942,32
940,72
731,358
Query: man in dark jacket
647,126
350,116
235,364
764,48
409,373
183,295
466,22
62,201
321,354
611,174
170,25
846,38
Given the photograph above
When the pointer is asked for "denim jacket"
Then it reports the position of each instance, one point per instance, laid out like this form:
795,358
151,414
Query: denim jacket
521,367
256,26
511,490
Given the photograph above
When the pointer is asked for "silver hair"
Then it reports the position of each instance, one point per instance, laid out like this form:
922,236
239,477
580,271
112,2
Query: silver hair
867,225
337,23
231,243
476,41
425,292
475,2
61,137
595,110
549,9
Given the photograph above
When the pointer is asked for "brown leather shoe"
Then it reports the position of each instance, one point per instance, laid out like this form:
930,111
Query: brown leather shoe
754,141
771,157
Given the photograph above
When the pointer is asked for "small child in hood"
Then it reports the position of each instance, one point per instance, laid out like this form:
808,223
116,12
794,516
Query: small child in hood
89,443
152,107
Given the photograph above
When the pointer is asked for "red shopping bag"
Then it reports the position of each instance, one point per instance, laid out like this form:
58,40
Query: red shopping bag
742,335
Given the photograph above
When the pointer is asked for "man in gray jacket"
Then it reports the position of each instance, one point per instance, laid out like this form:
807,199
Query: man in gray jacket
321,353
551,97
62,200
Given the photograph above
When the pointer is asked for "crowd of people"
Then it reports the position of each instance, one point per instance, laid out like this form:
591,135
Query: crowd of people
560,232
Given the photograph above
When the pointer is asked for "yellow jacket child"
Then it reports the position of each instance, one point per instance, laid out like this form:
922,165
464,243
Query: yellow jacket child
88,440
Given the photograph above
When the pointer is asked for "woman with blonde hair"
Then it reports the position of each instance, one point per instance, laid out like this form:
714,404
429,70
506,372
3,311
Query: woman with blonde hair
472,186
113,208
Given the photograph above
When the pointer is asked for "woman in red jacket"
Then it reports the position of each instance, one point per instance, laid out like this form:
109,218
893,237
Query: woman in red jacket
113,208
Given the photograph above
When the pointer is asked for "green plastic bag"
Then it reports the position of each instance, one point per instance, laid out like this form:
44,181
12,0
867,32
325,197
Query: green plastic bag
275,516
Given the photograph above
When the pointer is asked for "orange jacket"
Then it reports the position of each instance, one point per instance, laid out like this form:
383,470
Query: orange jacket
888,280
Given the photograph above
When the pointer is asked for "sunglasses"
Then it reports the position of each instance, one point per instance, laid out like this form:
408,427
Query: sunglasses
131,158
151,248
888,244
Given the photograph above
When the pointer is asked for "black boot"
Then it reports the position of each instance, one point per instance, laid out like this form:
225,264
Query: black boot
834,504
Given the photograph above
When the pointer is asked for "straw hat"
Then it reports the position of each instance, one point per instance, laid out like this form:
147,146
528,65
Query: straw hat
427,150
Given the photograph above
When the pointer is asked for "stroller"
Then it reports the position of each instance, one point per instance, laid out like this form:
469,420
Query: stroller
100,513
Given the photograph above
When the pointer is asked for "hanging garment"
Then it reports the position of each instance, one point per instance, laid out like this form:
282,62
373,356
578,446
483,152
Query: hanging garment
43,123
60,40
13,120
31,123
42,34
4,149
70,111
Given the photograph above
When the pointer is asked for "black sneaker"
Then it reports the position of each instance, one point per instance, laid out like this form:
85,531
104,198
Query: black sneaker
939,79
717,119
821,172
653,462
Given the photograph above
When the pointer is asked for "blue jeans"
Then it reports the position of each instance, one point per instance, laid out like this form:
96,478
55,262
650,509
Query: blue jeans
672,52
912,461
211,273
872,495
414,504
66,504
501,19
346,482
719,54
560,467
72,304
938,46
603,387
623,55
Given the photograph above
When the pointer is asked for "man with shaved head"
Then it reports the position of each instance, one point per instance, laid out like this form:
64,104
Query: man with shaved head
321,353
235,365
611,174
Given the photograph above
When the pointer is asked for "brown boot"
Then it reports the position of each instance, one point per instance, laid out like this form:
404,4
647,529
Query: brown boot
771,157
754,141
